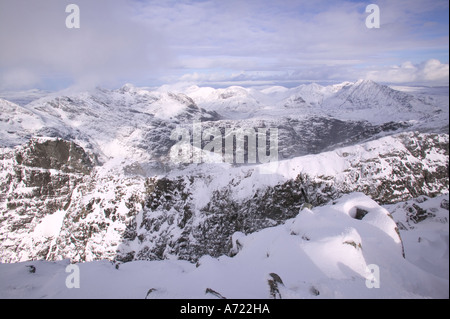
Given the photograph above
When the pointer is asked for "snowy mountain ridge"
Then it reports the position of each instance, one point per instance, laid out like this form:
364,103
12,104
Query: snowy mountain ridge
110,212
379,102
88,177
136,123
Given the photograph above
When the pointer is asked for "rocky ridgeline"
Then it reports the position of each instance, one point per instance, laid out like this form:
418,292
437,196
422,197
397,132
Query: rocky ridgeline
171,225
57,202
38,179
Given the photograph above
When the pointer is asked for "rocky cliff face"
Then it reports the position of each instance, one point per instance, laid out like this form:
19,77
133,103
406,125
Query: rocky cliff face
38,179
56,201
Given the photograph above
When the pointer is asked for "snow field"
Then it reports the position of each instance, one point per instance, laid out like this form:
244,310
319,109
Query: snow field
322,253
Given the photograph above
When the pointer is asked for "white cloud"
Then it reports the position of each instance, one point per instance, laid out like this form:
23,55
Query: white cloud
284,30
435,71
298,40
431,72
147,42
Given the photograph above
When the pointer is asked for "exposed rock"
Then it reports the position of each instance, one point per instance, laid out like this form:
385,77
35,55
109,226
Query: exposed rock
274,285
314,291
56,154
31,269
149,292
445,204
214,293
360,213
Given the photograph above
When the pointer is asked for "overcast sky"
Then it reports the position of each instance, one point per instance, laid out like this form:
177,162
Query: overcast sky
221,43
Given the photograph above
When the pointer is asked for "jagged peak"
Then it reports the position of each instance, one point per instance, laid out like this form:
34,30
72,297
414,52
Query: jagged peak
367,83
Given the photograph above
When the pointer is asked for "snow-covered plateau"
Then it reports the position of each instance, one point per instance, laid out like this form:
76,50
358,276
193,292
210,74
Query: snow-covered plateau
355,207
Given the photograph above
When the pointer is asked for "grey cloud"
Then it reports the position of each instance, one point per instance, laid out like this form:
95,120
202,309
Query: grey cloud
110,47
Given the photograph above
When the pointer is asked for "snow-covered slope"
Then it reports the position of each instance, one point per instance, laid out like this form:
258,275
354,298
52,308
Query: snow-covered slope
234,102
136,124
311,95
362,100
129,122
17,124
423,224
379,102
89,177
113,212
350,249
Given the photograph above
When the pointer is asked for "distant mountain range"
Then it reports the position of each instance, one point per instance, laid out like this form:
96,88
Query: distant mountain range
136,123
89,176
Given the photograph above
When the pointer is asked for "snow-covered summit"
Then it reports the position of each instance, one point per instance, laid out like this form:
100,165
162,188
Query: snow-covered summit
361,100
133,122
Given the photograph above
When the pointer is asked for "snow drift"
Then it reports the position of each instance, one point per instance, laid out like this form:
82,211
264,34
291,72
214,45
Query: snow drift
326,252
